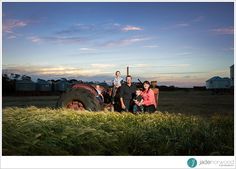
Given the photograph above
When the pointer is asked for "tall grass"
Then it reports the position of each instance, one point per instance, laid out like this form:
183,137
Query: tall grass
44,131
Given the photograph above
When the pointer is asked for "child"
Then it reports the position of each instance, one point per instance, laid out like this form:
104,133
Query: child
116,84
99,96
138,100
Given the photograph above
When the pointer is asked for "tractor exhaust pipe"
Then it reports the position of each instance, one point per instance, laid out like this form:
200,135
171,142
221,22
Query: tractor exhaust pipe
127,70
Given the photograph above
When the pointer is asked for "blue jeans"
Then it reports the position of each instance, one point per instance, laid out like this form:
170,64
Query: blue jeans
137,108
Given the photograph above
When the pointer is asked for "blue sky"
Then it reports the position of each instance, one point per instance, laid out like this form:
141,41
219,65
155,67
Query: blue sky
181,44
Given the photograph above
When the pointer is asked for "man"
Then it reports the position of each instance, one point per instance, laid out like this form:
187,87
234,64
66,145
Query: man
127,94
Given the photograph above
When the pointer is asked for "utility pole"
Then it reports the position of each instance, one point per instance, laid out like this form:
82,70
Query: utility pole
127,70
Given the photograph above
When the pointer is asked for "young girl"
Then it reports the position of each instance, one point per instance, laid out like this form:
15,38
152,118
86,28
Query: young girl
116,84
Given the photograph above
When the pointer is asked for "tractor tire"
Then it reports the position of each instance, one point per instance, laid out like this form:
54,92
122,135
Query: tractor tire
88,99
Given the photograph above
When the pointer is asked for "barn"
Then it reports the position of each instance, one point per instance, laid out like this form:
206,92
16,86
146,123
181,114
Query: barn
218,83
43,85
25,86
61,85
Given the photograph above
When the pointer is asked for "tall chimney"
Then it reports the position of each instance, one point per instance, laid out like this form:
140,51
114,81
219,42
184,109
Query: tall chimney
127,70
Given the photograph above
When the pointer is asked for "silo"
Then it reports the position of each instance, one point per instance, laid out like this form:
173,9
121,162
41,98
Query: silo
61,85
43,85
232,75
25,86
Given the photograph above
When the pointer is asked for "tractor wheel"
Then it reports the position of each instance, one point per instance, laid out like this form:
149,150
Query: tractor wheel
79,99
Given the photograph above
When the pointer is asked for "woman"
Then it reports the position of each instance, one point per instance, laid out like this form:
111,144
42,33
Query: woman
149,101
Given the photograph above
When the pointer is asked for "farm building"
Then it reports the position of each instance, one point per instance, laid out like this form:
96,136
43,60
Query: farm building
43,85
218,83
25,85
61,85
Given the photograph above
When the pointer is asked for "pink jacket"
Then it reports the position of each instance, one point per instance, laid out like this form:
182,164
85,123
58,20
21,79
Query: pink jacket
149,98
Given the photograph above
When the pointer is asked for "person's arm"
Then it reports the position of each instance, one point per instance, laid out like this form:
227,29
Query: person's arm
122,103
114,82
121,81
121,97
140,103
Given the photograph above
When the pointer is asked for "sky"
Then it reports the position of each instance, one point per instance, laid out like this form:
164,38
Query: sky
182,44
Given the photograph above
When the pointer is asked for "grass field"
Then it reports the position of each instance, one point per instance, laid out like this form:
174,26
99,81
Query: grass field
187,123
44,131
193,102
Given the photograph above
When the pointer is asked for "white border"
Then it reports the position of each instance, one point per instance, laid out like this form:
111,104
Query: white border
137,162
105,162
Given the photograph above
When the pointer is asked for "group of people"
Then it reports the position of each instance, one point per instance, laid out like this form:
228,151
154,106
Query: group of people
133,99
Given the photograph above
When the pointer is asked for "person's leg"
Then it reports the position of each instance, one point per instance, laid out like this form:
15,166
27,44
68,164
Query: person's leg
127,105
131,106
135,109
141,109
150,109
114,89
144,109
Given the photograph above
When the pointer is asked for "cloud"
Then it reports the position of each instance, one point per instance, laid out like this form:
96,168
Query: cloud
109,27
221,72
181,25
97,72
102,65
87,49
175,65
35,39
10,24
183,53
185,24
151,46
131,28
11,37
179,73
199,19
159,66
57,39
54,71
124,42
139,65
224,30
64,39
78,28
177,25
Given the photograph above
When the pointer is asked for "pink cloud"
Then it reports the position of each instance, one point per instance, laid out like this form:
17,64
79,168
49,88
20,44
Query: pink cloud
224,30
11,24
131,28
124,42
35,39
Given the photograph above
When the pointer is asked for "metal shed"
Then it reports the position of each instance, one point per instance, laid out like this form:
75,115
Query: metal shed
43,85
25,86
61,85
218,83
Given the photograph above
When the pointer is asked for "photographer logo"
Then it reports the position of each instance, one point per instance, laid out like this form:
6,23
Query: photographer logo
192,162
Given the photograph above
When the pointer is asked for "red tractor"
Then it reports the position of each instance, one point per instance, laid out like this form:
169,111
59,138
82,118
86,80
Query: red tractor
82,97
88,97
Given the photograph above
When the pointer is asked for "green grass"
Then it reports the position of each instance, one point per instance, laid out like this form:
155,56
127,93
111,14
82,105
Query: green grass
46,131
